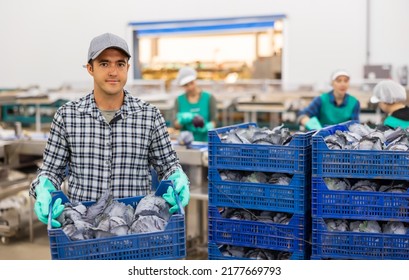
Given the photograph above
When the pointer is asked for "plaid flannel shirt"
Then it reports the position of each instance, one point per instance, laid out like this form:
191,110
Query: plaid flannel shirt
101,156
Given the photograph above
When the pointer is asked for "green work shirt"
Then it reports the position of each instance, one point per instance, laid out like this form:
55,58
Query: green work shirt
331,114
399,118
203,108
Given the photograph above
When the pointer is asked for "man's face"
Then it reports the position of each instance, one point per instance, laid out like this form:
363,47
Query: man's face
340,85
110,72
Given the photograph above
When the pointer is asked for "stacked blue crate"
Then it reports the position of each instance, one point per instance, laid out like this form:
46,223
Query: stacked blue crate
293,159
356,205
217,253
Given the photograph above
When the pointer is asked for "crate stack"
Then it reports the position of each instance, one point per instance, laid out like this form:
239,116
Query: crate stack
357,205
293,159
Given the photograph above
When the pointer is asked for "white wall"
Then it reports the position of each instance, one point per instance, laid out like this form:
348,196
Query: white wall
324,36
45,42
390,33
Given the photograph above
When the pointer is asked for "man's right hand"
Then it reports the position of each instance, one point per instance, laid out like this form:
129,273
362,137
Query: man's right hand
43,201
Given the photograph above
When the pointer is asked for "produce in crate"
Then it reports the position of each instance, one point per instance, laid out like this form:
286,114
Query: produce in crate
337,225
375,185
255,177
253,253
362,137
365,185
255,215
233,251
394,188
108,217
337,184
394,227
365,226
260,254
255,135
386,227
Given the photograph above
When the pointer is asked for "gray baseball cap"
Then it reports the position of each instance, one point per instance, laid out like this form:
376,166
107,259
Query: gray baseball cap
388,91
106,41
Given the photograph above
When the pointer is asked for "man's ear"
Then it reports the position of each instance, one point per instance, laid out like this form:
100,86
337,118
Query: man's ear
90,69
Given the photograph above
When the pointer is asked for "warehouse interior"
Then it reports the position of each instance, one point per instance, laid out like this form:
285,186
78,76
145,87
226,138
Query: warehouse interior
264,61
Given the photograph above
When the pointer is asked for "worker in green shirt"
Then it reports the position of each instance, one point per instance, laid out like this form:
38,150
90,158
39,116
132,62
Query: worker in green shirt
391,99
333,107
195,109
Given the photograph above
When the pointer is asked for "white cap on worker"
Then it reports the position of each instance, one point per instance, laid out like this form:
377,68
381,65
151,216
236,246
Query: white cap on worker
388,91
337,73
186,75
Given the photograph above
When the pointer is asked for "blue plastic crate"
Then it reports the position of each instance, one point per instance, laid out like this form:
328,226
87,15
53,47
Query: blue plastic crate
291,237
167,244
356,163
293,198
294,158
357,204
319,258
357,245
214,253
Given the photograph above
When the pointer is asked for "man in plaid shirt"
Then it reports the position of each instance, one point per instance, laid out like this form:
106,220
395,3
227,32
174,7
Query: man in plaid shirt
108,139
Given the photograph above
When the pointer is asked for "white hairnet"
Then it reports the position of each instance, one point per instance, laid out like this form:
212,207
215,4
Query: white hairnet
339,72
186,75
388,91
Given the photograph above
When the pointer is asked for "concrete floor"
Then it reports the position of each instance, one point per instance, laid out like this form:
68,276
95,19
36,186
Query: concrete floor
21,248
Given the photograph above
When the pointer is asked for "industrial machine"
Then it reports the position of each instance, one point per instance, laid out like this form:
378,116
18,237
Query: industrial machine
15,205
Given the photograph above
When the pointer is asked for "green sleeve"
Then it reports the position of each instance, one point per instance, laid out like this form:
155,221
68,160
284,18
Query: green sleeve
213,109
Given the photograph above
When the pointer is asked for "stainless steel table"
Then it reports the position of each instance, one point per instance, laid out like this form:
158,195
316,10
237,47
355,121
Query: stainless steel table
262,103
197,217
195,164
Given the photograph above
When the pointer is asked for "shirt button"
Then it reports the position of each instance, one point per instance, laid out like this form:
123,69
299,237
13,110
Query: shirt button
107,162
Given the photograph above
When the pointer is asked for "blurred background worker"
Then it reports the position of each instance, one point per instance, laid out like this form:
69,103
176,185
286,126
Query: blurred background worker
195,109
333,107
391,97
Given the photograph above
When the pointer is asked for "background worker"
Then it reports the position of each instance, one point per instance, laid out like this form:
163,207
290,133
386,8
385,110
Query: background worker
333,107
195,110
108,139
391,99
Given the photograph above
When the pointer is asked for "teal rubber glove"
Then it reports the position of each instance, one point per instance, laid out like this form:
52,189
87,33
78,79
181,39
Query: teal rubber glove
313,123
43,201
184,118
181,184
184,197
